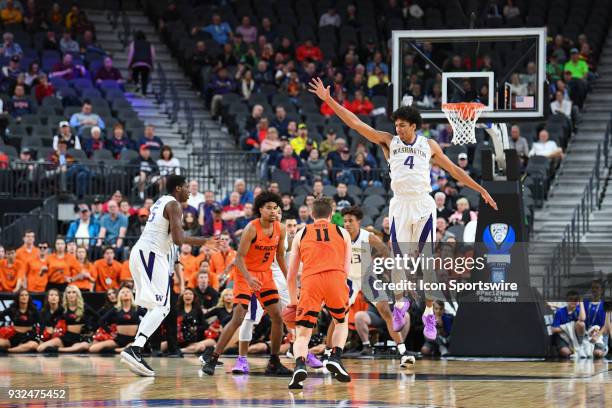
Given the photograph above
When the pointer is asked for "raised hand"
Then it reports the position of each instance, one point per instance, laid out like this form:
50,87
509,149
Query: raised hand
316,87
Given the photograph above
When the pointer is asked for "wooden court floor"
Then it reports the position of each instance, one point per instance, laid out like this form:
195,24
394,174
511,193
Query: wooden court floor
104,381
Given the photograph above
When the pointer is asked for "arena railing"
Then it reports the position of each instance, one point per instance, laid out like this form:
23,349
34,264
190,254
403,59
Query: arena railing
163,85
216,170
42,179
560,266
14,224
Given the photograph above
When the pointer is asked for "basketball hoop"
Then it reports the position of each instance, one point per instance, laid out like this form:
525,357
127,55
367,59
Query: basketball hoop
462,117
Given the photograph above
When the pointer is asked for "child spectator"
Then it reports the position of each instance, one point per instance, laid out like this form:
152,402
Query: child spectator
568,325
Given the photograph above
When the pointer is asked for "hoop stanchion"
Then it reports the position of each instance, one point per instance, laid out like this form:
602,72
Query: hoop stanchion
462,117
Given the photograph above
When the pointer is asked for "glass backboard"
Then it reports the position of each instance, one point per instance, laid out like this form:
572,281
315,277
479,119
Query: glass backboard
504,69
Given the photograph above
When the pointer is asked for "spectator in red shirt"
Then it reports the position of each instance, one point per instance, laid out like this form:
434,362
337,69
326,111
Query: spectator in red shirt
258,135
44,88
308,51
233,210
108,72
327,111
289,164
67,69
360,105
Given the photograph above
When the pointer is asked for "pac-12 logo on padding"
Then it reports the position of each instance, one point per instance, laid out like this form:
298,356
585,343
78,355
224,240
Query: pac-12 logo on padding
499,238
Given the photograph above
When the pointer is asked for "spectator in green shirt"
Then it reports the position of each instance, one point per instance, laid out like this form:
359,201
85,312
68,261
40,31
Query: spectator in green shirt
554,69
576,66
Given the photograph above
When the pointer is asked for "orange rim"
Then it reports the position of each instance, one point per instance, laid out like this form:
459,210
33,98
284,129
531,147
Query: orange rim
466,110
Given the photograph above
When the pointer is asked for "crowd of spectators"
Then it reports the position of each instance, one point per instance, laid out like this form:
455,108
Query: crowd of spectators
51,64
269,71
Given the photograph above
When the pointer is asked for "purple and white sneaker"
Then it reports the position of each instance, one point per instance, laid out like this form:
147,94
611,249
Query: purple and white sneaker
313,362
430,332
399,315
241,366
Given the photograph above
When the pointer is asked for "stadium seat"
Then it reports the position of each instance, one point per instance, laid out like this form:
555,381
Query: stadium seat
374,201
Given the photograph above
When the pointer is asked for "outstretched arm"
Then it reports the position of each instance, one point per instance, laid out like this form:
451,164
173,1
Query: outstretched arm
457,172
349,118
174,213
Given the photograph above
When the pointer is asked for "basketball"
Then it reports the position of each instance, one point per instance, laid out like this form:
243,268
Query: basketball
289,314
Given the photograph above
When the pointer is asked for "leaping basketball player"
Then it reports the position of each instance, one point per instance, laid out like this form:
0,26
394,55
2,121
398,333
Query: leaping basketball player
260,244
412,210
152,263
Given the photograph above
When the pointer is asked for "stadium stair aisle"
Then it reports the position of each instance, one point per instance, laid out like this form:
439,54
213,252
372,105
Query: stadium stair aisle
574,173
147,108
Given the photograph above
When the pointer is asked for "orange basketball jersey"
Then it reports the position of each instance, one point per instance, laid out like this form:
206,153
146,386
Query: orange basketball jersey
262,251
322,248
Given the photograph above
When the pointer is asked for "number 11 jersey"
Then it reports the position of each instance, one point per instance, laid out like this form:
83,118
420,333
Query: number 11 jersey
410,167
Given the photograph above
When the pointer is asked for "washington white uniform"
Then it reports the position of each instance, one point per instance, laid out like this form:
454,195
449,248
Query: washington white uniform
256,310
152,259
361,259
412,211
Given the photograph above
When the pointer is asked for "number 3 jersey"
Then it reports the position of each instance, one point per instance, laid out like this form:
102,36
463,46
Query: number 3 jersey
262,251
410,167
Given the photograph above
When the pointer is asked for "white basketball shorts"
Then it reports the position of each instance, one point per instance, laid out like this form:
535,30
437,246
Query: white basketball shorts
152,277
413,222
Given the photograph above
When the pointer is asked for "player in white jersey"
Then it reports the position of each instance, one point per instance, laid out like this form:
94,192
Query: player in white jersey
365,247
151,264
412,210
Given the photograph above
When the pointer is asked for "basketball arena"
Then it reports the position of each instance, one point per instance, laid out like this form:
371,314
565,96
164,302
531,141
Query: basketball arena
327,203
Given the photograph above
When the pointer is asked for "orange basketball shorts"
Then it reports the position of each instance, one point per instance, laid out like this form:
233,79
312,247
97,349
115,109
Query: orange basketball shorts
329,288
267,296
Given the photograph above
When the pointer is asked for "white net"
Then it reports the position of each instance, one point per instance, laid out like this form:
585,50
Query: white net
463,117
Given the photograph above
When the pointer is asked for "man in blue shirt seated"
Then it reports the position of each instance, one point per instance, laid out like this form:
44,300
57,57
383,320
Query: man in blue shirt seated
113,227
84,230
573,312
220,31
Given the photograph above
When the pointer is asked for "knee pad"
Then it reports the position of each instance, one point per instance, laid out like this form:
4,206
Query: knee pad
246,330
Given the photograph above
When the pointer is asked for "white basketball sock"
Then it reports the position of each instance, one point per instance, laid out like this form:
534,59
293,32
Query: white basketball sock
401,348
149,323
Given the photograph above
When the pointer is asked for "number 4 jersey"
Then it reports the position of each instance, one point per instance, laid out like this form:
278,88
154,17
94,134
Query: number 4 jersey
410,167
